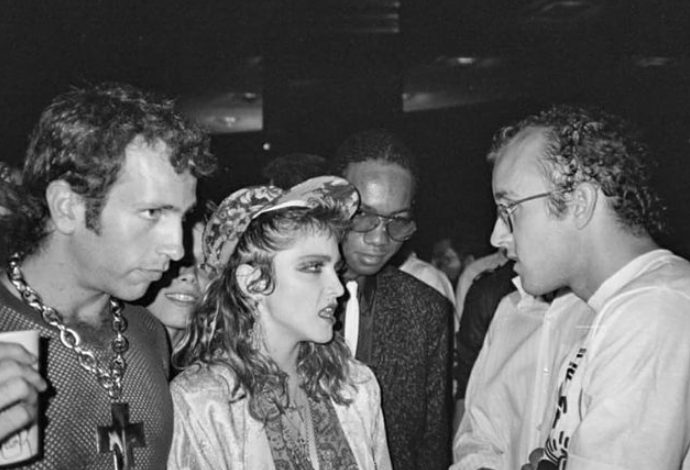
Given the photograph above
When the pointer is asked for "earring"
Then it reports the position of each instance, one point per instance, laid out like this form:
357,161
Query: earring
258,287
256,334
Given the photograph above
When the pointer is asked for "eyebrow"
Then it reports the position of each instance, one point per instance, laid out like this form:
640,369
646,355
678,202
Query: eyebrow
317,257
502,195
370,209
167,207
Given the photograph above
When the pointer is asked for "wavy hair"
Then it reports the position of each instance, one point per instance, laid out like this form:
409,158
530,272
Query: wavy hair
592,145
221,329
81,139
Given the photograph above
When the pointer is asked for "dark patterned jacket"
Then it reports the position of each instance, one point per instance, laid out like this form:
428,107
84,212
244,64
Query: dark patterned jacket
410,356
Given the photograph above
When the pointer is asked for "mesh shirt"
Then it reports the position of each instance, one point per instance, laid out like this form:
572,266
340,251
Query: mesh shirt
75,405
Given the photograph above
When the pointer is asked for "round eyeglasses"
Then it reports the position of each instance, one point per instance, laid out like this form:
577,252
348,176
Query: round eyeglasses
505,211
397,228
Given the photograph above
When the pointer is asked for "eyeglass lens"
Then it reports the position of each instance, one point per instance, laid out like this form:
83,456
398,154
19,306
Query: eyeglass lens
398,228
504,215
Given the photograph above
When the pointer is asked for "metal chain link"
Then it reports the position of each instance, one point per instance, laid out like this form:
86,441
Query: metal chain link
110,378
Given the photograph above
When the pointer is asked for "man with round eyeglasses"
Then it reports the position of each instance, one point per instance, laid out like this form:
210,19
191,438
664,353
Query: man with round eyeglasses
504,211
393,322
577,211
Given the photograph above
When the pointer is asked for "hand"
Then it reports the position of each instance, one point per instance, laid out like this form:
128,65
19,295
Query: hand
534,458
20,385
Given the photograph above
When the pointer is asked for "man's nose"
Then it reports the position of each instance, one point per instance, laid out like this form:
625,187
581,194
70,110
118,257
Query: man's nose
500,236
378,235
172,241
187,274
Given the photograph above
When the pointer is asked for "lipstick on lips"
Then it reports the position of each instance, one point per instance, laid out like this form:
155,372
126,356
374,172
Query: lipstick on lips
182,297
328,312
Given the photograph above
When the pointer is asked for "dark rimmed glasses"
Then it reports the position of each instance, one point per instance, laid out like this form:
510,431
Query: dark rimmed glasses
397,228
505,211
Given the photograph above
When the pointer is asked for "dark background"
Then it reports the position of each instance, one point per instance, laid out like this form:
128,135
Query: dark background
444,73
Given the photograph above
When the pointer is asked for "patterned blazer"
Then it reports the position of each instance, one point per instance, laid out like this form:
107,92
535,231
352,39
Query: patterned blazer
411,357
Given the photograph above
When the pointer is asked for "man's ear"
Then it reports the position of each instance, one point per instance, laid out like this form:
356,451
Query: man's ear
583,203
245,276
67,209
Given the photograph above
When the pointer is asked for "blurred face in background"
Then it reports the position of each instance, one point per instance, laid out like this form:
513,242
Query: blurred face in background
177,294
447,259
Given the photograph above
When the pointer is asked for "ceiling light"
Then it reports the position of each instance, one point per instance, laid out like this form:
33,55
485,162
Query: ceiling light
653,61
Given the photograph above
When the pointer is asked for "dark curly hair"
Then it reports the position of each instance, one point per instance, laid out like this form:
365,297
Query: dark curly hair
222,327
590,144
375,144
81,139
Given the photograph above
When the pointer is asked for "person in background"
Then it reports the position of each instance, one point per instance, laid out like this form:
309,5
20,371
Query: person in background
289,170
482,264
481,303
267,384
393,322
577,210
174,297
451,261
109,174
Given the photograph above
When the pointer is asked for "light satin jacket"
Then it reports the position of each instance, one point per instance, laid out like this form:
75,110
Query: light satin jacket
212,433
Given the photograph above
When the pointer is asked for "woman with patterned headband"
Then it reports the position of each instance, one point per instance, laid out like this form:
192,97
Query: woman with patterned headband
267,384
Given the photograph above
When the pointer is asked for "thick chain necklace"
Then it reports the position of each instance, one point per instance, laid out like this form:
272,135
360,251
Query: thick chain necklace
110,377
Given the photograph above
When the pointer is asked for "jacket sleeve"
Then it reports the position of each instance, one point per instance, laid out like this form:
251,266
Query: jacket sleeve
435,450
481,302
206,434
476,443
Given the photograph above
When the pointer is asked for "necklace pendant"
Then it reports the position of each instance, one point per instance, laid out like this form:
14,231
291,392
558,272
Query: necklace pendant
121,437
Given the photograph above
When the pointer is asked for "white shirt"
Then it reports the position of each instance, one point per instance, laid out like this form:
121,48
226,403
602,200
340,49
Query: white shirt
429,275
625,395
351,329
510,391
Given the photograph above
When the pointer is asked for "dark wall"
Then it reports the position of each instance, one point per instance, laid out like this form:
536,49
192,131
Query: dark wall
454,198
178,47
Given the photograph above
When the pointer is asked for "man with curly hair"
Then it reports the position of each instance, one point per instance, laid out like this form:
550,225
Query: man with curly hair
109,175
576,209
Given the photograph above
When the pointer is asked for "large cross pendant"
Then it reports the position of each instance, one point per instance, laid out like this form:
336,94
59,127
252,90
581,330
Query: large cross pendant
121,437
